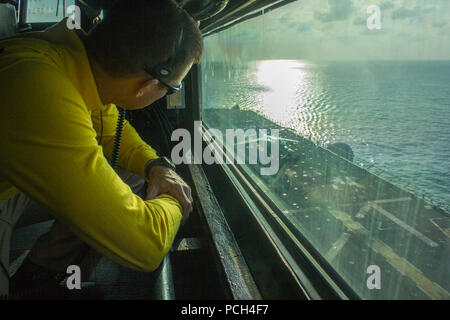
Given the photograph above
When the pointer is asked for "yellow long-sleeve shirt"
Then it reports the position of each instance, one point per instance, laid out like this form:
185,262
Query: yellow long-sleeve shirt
49,132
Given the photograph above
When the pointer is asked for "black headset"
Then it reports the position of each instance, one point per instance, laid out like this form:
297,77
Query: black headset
165,69
160,71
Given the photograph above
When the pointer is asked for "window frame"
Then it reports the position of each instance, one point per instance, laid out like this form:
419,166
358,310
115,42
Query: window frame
309,269
238,11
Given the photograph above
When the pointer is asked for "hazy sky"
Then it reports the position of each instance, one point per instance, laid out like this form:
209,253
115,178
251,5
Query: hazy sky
337,30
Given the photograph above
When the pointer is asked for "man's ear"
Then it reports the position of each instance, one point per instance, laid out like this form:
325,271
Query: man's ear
147,86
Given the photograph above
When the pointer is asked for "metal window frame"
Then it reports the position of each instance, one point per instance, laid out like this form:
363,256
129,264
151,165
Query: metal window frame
309,269
239,11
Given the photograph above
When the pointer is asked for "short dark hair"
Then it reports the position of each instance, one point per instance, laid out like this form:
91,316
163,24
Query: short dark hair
144,32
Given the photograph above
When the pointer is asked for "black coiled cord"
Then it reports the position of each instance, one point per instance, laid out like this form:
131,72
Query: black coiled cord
118,138
156,114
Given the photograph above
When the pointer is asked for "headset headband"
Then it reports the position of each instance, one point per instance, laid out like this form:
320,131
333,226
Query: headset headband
164,70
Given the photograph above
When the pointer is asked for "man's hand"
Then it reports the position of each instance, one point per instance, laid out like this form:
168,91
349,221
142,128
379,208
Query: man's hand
164,180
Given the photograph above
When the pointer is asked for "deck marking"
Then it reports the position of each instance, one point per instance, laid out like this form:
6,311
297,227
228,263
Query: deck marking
444,231
391,200
405,226
431,288
338,245
365,209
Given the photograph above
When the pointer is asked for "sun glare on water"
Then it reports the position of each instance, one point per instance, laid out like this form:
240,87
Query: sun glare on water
287,85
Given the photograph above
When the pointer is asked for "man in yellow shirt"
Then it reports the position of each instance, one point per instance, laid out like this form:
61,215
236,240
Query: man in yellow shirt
58,91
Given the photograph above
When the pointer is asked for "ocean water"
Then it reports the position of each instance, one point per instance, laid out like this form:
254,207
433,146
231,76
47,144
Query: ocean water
395,115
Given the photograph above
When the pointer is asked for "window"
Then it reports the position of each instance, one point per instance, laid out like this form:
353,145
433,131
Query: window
359,94
47,10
